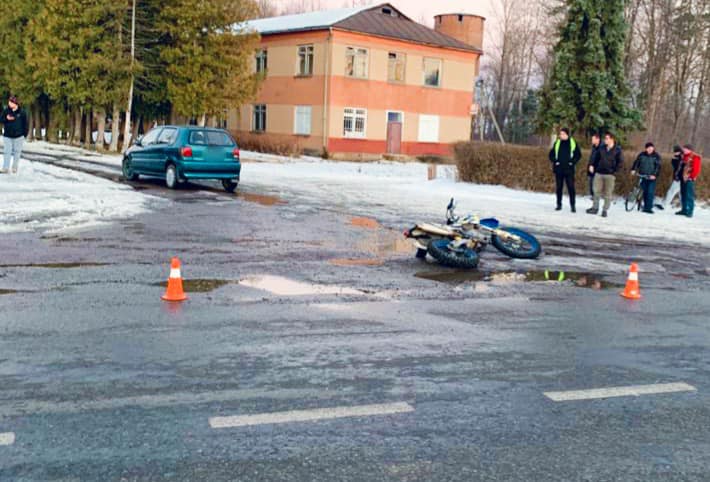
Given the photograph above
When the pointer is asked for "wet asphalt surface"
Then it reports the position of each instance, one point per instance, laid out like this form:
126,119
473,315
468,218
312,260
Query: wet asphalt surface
101,380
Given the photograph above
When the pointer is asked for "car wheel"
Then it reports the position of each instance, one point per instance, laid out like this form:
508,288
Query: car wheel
229,186
128,173
171,177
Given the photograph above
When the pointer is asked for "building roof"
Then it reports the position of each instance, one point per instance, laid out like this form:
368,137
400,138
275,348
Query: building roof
368,20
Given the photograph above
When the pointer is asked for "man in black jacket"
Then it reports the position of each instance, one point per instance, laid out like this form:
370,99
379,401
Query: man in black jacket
648,163
15,130
564,156
607,163
596,143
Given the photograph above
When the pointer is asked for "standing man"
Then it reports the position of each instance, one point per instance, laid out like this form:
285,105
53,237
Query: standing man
676,163
596,142
564,156
16,126
691,171
608,162
648,163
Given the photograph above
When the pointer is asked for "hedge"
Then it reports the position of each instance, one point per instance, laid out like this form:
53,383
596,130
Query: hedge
528,168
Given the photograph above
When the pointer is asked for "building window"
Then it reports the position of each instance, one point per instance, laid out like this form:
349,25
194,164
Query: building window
428,128
356,62
432,72
305,60
397,67
259,118
302,122
355,122
262,61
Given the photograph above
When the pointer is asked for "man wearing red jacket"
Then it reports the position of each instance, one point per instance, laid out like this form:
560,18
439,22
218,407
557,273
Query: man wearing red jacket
691,171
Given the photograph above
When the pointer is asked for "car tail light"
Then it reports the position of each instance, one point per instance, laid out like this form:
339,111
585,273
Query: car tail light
186,152
235,153
407,233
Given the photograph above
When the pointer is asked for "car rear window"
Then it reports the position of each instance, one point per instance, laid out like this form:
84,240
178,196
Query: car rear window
211,138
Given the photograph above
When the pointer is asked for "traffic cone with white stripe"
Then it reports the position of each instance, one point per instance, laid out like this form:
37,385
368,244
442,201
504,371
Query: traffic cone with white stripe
174,291
632,290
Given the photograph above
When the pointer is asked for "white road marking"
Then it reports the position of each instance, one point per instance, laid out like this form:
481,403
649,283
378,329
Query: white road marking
310,415
631,391
7,438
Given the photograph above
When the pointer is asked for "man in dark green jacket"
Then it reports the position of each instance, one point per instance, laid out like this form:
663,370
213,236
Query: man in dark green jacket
648,164
564,156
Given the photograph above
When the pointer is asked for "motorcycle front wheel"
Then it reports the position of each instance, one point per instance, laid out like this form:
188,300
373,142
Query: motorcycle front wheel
464,258
528,247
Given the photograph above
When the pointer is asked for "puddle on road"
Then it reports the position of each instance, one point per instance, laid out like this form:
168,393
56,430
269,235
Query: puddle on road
583,280
280,286
356,262
201,285
55,265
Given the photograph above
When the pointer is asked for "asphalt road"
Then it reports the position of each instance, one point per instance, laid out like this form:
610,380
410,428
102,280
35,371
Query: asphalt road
296,306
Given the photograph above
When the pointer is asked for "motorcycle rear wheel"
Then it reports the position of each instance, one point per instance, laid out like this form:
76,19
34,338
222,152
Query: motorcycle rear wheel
465,258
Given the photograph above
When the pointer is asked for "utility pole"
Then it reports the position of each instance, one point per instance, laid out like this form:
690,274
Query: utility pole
127,131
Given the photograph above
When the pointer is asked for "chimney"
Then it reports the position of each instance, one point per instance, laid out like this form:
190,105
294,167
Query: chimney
463,27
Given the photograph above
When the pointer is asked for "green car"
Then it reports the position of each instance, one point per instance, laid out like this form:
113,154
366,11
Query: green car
183,153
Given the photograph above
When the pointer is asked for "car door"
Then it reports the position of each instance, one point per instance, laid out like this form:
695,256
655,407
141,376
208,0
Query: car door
140,158
159,152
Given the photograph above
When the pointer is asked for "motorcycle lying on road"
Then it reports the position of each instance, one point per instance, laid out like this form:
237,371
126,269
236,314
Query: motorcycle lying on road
457,243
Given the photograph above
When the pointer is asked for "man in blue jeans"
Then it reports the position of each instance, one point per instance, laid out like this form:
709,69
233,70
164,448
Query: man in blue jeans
15,130
648,164
691,171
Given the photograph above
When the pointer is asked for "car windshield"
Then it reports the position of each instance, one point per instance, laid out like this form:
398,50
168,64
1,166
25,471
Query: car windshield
211,138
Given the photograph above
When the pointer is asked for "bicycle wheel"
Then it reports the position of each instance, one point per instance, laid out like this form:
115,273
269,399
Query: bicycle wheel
633,199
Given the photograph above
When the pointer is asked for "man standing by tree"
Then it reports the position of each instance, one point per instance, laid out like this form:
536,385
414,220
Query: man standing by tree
16,129
691,171
596,142
648,163
608,162
564,156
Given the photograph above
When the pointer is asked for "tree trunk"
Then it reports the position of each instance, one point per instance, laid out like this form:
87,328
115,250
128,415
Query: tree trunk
30,123
89,127
135,127
75,136
115,127
100,127
203,120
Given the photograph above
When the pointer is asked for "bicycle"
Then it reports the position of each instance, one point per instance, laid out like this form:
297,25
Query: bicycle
634,199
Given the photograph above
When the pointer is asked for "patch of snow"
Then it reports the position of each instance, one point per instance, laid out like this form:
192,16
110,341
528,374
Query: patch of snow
48,198
303,21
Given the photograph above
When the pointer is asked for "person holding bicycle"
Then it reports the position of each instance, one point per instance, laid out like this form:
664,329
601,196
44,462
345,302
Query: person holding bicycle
648,166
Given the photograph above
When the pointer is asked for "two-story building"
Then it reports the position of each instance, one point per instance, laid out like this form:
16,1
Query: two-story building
365,80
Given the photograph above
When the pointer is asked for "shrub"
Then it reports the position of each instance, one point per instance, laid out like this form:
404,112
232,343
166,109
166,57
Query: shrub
528,168
268,143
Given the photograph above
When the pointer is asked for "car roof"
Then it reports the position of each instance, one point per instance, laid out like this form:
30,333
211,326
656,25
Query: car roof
193,128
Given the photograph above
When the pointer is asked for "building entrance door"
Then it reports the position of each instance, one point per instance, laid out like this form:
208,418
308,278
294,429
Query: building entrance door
394,132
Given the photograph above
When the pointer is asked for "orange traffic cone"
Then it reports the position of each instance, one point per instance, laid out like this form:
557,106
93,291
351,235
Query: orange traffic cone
174,291
632,290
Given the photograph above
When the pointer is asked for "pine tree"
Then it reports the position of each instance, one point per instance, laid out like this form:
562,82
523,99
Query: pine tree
587,90
209,60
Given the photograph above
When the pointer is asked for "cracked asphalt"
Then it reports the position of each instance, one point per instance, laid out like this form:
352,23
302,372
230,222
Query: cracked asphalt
102,381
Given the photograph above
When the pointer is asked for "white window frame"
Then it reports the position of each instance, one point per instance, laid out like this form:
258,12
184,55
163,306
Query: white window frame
356,113
262,59
253,118
441,72
404,72
425,135
356,51
309,51
304,132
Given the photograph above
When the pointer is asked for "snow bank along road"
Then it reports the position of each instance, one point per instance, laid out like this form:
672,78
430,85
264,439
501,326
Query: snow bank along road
397,192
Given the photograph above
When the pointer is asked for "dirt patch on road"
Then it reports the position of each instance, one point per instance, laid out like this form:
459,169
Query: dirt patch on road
263,199
55,265
365,223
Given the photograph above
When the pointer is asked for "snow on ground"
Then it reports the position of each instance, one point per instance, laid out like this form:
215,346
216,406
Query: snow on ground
48,198
400,194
